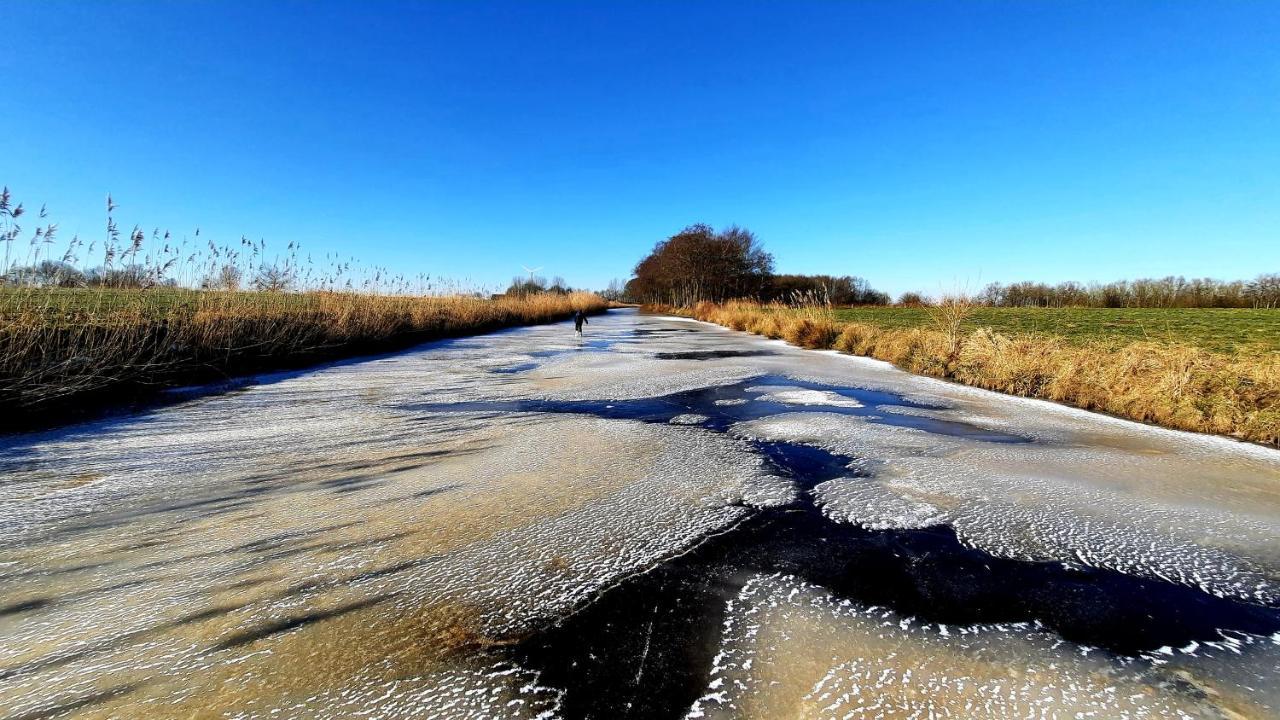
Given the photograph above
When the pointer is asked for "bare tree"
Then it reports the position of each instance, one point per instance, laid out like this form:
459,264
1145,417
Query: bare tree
1166,292
699,264
46,273
615,290
1264,291
273,278
531,285
228,277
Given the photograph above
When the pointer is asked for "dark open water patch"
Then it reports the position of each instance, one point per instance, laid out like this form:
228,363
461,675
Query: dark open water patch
725,405
645,647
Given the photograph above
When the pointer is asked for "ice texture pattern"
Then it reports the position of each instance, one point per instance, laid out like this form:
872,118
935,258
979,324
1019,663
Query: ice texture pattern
405,535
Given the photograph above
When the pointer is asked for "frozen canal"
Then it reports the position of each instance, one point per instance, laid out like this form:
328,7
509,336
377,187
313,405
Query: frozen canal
665,519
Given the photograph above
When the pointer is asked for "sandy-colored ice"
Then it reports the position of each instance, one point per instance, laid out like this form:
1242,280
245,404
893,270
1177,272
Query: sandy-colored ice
790,650
411,560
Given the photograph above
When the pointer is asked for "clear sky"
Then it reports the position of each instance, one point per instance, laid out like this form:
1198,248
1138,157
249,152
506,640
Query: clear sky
920,145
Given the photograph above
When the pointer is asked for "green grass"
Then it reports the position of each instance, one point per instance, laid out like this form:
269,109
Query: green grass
1216,330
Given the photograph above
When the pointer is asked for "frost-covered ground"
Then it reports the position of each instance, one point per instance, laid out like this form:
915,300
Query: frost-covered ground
393,535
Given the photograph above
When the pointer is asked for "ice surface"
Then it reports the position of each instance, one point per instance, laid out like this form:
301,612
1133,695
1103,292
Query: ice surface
791,650
315,544
874,506
1045,501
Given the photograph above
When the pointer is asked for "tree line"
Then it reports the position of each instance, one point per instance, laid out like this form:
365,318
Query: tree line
701,264
537,285
59,274
1168,292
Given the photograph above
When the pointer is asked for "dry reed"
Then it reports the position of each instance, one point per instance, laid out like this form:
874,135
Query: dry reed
70,329
57,345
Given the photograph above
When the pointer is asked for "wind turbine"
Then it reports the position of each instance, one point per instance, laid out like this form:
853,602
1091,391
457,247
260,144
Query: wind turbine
531,271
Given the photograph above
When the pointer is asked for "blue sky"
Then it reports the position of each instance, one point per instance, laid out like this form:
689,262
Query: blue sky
921,145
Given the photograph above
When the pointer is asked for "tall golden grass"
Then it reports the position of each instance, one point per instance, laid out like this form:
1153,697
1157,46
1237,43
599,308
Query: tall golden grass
57,345
1173,385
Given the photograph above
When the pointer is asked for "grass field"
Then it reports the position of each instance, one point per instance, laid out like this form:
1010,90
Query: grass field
1216,330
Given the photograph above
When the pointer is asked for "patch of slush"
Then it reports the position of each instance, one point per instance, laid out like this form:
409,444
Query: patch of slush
874,506
1038,503
688,419
790,649
798,396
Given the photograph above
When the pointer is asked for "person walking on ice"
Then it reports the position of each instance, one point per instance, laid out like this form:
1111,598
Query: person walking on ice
579,319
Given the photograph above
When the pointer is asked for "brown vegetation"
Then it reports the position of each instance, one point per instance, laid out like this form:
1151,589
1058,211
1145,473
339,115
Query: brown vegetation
58,345
72,331
1177,386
